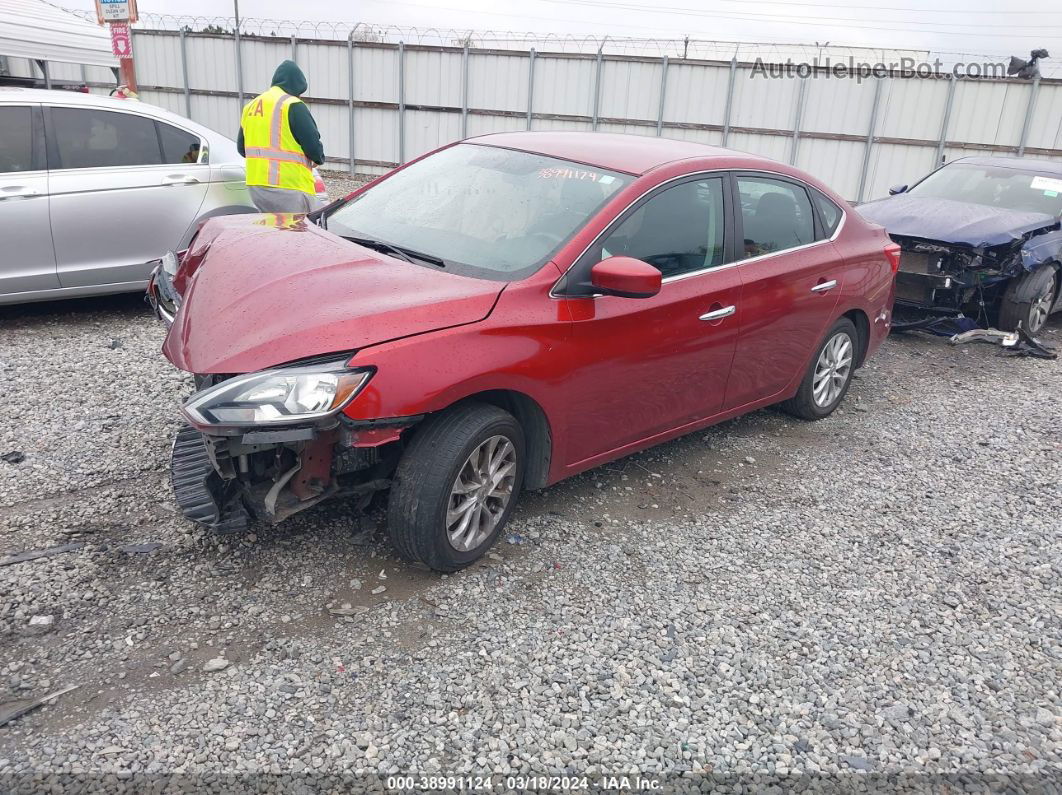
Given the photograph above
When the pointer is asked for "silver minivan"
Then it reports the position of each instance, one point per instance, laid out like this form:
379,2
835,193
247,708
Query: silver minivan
92,189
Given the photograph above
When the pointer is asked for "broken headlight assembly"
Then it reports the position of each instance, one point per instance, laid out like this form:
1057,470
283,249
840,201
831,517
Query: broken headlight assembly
283,396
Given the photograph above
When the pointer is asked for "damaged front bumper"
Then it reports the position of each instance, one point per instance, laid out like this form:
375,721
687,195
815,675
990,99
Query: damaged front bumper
226,480
942,281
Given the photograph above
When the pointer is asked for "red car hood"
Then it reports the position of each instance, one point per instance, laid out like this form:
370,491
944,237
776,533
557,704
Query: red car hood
263,290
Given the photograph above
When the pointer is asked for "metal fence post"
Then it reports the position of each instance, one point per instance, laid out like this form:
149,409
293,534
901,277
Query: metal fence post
464,90
294,48
350,96
43,66
184,74
729,99
597,85
801,93
530,86
944,121
663,96
239,64
870,138
401,102
1028,116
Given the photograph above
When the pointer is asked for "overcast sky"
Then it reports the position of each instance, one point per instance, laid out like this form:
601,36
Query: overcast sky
976,26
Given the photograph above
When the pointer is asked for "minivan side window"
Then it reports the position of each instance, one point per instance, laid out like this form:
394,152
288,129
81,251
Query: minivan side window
829,212
179,146
91,138
16,139
679,230
776,215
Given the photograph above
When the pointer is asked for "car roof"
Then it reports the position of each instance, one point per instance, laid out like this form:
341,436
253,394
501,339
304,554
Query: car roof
55,97
1017,163
633,154
19,94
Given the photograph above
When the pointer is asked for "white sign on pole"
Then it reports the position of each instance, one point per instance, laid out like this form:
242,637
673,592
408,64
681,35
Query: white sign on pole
114,10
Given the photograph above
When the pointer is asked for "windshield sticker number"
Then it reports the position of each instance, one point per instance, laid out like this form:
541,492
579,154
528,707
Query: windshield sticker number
1050,186
574,173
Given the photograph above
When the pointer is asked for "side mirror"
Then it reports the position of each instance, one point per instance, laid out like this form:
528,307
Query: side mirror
897,189
625,277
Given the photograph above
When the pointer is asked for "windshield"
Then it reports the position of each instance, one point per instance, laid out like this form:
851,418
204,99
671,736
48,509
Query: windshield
479,210
994,186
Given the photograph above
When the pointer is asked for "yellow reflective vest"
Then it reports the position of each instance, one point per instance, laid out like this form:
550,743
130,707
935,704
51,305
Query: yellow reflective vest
274,157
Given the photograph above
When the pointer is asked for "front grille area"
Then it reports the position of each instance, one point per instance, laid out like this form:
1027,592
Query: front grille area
918,262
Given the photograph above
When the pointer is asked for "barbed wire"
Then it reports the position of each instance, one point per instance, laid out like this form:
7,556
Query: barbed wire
702,49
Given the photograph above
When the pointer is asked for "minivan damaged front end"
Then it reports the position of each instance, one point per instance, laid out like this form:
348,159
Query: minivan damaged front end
266,445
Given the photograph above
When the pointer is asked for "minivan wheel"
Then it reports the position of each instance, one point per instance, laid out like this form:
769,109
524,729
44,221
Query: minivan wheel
1028,301
456,486
830,374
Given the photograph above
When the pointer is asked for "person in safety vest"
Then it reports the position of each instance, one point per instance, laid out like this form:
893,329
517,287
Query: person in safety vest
279,138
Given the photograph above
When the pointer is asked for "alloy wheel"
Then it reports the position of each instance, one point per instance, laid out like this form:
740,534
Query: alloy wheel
832,370
481,493
1040,308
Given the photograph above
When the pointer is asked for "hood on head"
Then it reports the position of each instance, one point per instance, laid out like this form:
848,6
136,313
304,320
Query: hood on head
289,77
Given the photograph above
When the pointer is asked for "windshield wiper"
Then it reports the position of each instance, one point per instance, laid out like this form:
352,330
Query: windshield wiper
408,254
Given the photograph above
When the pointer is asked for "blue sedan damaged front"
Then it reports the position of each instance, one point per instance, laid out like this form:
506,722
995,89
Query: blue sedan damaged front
978,266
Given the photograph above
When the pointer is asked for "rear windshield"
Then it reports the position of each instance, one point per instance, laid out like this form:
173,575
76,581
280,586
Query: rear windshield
484,211
994,186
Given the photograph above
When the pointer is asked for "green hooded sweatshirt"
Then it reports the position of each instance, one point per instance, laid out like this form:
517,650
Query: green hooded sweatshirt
289,77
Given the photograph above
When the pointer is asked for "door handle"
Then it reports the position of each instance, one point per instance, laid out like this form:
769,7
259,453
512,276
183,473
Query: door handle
823,287
180,179
18,192
719,314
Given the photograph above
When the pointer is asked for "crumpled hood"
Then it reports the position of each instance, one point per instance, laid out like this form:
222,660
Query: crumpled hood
947,221
268,289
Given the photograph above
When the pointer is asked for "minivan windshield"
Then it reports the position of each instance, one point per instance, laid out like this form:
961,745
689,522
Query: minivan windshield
994,186
478,210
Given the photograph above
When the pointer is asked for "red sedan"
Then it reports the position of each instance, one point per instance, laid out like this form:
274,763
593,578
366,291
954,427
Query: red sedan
504,313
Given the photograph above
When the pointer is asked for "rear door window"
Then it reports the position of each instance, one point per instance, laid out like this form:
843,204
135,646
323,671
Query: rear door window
16,139
91,138
776,215
179,146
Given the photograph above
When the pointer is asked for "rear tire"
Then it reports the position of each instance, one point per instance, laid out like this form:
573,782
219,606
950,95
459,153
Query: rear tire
829,375
465,465
1028,300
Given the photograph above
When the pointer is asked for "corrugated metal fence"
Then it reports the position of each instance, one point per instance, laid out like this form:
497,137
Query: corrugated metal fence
380,104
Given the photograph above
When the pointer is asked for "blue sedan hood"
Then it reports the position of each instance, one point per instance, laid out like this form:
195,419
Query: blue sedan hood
948,221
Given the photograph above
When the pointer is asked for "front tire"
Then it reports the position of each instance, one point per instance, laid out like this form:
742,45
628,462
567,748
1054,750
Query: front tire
830,374
1028,300
456,486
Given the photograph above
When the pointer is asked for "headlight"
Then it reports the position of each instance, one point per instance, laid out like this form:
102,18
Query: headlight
277,397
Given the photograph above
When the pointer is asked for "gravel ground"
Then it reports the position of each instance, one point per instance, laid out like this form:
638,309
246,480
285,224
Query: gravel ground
874,594
340,183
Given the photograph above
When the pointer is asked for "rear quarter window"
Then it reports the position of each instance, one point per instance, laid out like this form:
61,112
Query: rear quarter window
829,213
